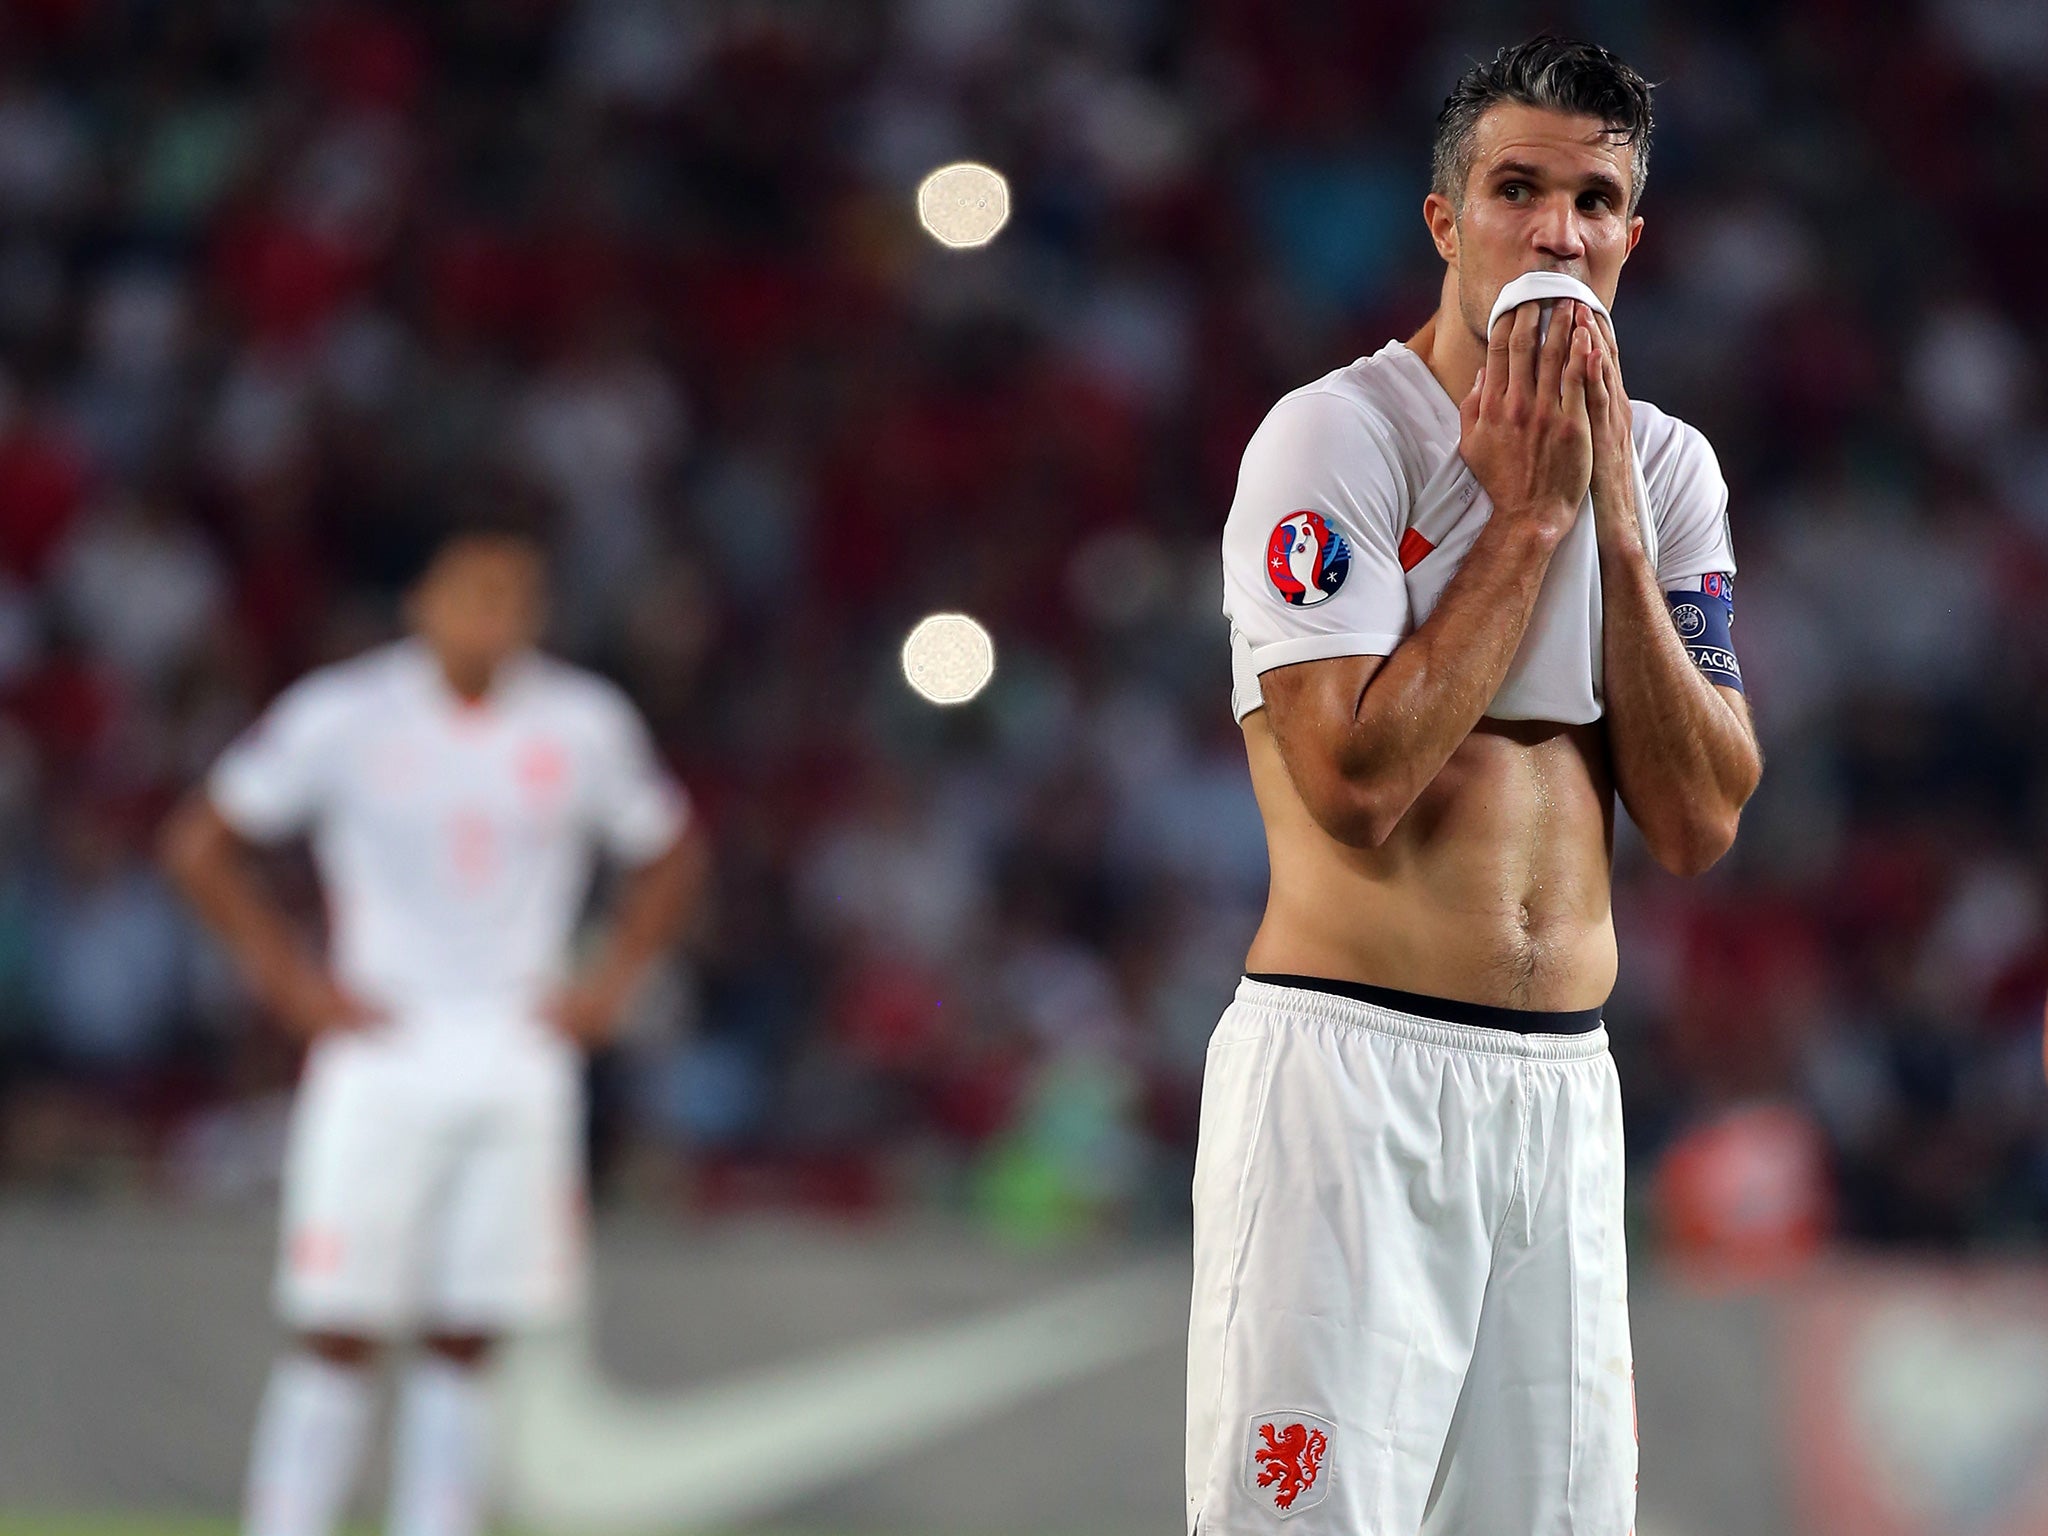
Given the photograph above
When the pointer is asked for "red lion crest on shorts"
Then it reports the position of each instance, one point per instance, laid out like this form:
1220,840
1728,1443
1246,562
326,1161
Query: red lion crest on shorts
1289,1460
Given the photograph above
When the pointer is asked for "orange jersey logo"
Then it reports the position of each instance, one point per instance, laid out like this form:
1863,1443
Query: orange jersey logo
1289,1461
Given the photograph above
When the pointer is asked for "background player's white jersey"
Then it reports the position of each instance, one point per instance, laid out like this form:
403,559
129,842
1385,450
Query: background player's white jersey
1354,510
454,840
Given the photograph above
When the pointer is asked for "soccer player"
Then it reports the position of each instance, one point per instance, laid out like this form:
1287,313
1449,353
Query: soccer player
455,786
1474,594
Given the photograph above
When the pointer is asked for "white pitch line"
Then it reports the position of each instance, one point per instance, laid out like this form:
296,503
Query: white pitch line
584,1457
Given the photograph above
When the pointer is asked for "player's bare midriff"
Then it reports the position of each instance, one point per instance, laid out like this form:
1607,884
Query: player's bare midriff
1494,888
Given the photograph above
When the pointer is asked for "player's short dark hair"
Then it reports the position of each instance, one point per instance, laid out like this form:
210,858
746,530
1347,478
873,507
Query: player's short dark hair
1551,72
508,524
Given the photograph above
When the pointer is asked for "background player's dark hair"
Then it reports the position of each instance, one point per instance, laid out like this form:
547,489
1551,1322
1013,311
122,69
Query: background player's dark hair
511,521
1551,72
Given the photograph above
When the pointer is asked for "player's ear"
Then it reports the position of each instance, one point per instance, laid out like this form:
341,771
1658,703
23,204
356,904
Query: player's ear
1442,220
1635,233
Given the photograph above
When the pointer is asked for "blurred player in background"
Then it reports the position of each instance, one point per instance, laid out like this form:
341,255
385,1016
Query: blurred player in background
1410,1307
455,786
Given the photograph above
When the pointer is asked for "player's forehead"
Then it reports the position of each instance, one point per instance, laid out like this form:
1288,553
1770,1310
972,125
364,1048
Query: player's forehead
1569,147
490,557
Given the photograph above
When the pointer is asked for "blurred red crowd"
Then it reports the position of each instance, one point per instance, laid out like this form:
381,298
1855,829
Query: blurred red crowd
279,289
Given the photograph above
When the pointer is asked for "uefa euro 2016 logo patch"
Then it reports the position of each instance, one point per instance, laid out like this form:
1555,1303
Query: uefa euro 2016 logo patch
1306,559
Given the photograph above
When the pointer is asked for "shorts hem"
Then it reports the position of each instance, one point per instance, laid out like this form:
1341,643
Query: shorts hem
367,1322
413,1322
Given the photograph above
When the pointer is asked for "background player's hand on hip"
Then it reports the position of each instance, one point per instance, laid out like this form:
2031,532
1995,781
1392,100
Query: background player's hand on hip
311,1003
1524,429
587,1011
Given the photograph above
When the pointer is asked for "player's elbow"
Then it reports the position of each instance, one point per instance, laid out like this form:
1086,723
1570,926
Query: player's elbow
684,875
1708,829
1375,821
1358,815
190,841
1694,843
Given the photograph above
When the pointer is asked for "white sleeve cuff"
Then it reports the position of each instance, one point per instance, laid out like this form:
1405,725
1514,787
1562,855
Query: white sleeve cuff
1685,572
248,811
1284,653
653,826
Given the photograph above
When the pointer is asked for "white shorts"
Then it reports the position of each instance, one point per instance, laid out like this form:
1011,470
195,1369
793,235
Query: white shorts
434,1183
1411,1290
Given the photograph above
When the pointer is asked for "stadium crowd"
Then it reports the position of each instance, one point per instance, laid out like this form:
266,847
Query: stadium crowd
282,284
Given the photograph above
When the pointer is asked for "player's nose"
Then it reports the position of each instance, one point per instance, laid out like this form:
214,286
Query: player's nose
1556,231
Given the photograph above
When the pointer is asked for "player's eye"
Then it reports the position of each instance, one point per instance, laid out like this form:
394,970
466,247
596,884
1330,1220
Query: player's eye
1595,202
1515,191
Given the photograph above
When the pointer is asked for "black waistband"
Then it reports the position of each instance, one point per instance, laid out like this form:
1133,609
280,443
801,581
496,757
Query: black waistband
1523,1021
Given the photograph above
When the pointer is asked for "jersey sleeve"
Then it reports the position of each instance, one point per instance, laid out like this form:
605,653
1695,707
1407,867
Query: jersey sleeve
638,808
274,779
1690,500
1311,565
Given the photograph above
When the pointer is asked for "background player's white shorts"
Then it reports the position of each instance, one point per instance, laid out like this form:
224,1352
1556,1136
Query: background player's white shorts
434,1180
1411,1291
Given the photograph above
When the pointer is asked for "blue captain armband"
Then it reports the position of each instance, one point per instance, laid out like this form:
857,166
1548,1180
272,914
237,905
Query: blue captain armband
1703,618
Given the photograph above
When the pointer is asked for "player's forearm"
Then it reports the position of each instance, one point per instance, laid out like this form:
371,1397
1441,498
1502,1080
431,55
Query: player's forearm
655,903
1685,762
204,860
1427,696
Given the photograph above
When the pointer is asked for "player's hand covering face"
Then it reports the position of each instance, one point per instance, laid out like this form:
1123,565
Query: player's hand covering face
1607,408
1523,428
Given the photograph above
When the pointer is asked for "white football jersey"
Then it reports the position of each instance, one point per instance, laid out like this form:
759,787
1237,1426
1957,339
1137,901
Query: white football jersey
1354,510
454,840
